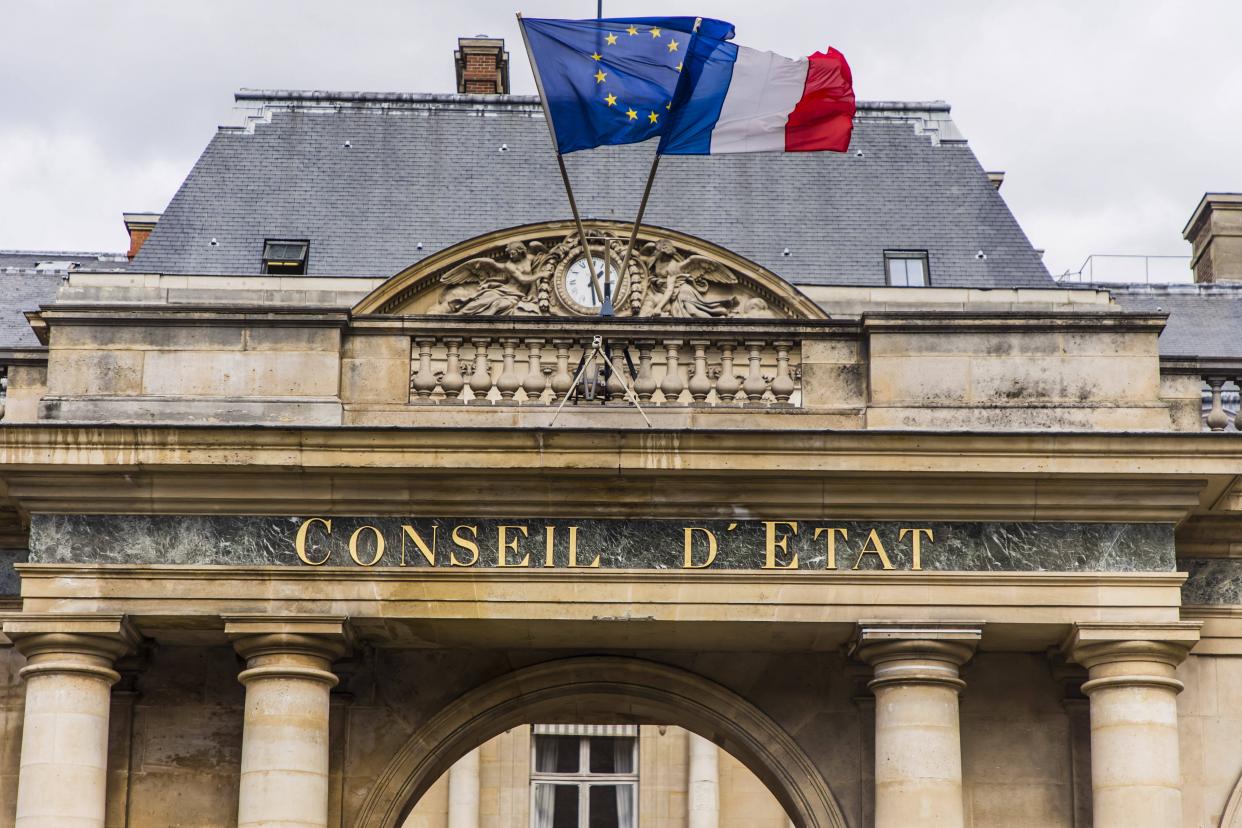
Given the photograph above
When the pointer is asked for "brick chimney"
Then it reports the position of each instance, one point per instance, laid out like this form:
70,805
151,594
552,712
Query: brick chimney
1215,235
482,66
139,226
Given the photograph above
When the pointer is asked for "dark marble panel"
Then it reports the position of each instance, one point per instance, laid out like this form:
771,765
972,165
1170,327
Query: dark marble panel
10,584
616,544
1211,580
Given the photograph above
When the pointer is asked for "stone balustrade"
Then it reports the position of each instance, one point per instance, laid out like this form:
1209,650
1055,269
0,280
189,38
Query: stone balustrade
1224,393
753,365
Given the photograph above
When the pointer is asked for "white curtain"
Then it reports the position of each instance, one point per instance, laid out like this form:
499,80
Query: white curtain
623,758
545,794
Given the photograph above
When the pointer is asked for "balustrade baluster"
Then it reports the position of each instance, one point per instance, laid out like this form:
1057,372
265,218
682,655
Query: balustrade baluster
481,376
535,381
616,389
754,386
644,384
508,383
672,383
424,380
453,383
1217,419
727,385
700,386
1237,419
782,384
562,379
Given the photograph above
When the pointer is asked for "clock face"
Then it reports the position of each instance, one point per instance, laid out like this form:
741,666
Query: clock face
580,287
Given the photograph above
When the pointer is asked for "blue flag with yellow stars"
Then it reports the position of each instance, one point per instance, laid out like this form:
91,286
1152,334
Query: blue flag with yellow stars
613,81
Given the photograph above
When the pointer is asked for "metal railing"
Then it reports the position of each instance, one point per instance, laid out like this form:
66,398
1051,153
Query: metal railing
1119,268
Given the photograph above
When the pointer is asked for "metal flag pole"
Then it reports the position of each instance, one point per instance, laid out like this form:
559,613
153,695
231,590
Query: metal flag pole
598,351
560,161
655,164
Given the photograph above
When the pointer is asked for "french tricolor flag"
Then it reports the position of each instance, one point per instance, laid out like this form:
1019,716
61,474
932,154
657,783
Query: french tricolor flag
736,99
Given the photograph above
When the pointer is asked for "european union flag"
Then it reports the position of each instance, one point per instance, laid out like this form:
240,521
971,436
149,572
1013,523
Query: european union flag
614,81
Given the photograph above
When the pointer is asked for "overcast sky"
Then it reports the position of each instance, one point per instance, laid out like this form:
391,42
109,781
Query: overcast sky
1110,118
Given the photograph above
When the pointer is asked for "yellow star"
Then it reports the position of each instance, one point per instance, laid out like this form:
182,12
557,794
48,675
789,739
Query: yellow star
668,105
678,66
632,114
632,30
600,74
655,32
597,56
612,39
653,117
611,99
672,45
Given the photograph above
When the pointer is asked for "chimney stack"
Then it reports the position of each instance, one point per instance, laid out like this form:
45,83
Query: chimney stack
139,226
482,66
1215,235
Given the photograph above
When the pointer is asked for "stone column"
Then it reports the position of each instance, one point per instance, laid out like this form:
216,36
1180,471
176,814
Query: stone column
1132,686
285,761
918,746
69,676
703,796
463,792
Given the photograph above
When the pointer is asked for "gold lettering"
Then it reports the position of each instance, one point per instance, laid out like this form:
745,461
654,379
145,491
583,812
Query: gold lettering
549,545
782,543
503,544
916,545
573,551
832,542
300,544
428,552
689,547
468,544
379,546
873,540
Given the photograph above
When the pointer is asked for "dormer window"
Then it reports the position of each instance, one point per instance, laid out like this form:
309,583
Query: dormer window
906,268
287,258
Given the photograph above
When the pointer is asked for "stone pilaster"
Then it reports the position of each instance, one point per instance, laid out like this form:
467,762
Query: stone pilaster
918,746
1132,687
288,680
463,792
69,676
703,794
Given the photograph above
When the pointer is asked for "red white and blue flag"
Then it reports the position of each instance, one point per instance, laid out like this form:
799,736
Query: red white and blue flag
625,80
738,99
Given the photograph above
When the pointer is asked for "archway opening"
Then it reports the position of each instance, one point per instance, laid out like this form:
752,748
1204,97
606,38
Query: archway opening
611,692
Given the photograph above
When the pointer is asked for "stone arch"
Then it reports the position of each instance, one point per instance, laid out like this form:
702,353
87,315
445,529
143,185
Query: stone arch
413,291
603,688
1232,818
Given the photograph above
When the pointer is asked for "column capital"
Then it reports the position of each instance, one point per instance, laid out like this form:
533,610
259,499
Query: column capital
916,653
72,643
288,646
1131,655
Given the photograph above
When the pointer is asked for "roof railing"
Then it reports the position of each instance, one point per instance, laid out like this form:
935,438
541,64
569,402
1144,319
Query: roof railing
1122,268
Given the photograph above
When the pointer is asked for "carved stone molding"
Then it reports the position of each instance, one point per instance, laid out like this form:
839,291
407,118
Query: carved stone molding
539,270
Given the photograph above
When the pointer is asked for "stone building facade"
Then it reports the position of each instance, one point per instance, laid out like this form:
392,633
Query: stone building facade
324,510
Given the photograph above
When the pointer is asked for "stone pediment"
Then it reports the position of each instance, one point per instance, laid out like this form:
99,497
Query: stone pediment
541,270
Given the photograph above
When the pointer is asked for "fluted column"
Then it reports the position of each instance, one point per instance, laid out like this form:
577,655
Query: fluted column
1132,686
463,792
285,759
69,675
703,799
918,746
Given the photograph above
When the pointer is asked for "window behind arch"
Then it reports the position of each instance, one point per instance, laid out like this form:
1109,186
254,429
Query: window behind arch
584,776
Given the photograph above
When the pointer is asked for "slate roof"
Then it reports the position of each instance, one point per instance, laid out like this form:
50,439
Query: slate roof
439,169
30,278
1204,320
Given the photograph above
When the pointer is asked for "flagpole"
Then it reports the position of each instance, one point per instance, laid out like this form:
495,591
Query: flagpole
655,164
642,208
560,160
